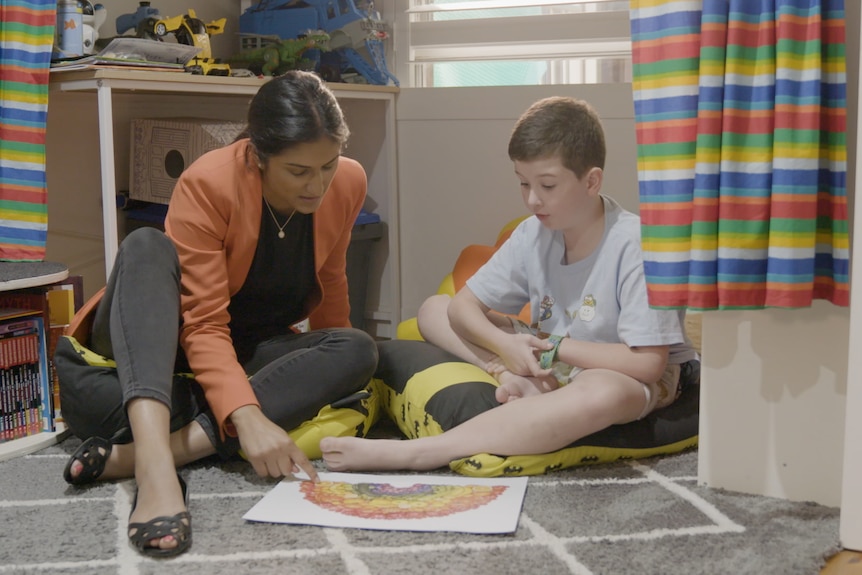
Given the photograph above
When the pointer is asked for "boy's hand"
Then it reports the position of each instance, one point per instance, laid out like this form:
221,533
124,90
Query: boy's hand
495,366
519,354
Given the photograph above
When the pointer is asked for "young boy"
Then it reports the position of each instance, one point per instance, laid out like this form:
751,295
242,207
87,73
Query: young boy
595,355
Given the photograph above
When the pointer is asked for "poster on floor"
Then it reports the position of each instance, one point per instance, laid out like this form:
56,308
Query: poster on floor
396,503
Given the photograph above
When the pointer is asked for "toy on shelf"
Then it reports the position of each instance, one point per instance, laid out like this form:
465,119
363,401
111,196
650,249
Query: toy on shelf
140,21
356,35
276,56
92,17
187,28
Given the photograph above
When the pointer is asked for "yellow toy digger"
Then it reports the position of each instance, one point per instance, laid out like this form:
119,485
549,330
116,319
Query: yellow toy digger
192,31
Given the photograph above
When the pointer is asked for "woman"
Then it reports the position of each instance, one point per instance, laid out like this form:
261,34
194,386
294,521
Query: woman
255,241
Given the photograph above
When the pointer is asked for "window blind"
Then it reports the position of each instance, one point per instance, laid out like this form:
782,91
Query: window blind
507,42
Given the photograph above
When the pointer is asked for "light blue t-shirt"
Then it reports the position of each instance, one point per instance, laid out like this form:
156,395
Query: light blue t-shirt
601,298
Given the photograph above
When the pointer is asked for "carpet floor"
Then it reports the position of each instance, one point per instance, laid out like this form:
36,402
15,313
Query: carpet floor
639,517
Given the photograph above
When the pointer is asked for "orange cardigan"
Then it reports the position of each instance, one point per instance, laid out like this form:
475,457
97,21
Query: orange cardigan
214,221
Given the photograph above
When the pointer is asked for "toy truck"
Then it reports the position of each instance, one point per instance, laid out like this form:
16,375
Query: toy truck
192,31
187,28
356,35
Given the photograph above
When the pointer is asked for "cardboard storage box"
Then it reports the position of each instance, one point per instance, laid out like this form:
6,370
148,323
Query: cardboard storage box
162,148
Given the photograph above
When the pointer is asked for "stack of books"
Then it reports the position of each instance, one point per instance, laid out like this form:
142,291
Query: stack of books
25,389
31,322
131,53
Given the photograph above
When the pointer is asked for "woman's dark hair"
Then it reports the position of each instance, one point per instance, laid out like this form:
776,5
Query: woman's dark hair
294,108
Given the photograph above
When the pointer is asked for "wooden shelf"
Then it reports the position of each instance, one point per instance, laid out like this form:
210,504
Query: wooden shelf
119,95
149,81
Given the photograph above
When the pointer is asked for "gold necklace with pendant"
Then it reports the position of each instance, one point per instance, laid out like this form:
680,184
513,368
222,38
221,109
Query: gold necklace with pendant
279,226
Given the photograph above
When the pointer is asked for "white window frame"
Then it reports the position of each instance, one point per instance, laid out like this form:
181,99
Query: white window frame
559,38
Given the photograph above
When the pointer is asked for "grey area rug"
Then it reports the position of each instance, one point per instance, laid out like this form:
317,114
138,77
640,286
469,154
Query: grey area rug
639,517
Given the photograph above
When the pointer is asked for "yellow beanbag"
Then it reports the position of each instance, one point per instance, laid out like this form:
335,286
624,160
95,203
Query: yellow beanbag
353,419
425,391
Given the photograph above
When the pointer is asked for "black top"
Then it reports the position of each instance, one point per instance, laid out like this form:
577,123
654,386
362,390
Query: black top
278,284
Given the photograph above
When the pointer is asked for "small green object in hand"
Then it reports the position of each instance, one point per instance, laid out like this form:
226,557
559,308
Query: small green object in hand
547,359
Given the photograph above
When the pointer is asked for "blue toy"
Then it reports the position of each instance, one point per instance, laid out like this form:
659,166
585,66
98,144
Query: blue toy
352,31
141,20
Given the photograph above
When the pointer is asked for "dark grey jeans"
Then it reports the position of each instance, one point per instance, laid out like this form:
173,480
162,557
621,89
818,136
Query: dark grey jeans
137,325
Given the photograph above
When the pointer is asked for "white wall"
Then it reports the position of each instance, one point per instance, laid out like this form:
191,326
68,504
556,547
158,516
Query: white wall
773,394
456,182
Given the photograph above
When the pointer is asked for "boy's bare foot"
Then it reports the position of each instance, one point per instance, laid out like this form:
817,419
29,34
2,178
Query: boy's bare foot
358,454
514,387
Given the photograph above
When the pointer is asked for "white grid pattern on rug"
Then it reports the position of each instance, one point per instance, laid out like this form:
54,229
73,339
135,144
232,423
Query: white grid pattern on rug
342,545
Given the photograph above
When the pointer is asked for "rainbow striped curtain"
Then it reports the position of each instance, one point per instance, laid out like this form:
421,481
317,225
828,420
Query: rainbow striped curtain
26,40
740,110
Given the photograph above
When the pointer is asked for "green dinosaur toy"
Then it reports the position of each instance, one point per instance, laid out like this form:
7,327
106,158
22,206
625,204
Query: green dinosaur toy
277,56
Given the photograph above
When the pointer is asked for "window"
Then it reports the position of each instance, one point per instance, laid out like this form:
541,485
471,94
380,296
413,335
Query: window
517,42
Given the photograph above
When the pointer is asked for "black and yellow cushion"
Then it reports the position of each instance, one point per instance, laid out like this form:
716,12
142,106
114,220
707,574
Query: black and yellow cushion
427,391
352,416
347,419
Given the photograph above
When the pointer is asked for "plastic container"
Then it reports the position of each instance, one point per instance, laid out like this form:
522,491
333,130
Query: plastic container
70,29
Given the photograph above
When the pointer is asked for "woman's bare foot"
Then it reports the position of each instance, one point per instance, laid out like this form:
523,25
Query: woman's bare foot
159,492
187,444
119,465
159,495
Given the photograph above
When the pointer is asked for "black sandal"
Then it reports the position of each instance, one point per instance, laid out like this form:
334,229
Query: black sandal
179,526
93,455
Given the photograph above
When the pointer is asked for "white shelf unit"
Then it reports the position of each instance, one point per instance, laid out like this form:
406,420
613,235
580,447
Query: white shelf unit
89,113
32,443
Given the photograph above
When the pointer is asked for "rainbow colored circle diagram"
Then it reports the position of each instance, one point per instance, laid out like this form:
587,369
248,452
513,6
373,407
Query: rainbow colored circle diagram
386,501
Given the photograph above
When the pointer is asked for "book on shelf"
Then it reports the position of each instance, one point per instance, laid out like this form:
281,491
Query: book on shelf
25,389
56,303
133,53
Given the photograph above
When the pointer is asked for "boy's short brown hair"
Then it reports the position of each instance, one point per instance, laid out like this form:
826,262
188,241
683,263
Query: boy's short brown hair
559,126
